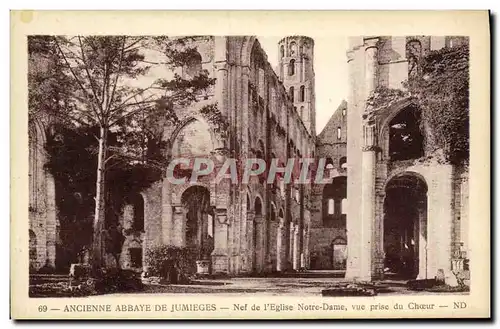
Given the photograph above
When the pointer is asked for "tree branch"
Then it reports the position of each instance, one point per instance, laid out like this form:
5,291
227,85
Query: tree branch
110,100
91,81
80,84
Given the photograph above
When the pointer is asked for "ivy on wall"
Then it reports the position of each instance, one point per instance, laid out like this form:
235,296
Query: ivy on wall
441,92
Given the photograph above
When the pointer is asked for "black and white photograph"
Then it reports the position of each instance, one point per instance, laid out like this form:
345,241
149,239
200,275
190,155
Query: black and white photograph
249,165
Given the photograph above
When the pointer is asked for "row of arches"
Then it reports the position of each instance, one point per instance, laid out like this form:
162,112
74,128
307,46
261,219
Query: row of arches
302,94
292,49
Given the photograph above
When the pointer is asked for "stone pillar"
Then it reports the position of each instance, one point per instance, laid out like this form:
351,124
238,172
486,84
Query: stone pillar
220,255
291,243
279,246
296,249
367,213
51,222
167,216
368,171
249,255
258,243
422,243
440,219
371,63
179,232
353,190
302,253
221,86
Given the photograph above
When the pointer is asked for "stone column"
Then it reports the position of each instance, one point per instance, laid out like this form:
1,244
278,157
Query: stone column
296,249
179,232
51,221
368,160
353,221
221,86
440,219
259,243
249,255
371,63
167,216
367,211
291,243
422,243
220,255
279,246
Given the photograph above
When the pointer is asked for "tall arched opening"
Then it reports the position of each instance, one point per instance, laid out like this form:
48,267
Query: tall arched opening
405,222
255,234
199,232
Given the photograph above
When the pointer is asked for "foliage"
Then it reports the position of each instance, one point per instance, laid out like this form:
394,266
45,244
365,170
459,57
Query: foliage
383,97
162,258
88,83
216,119
443,94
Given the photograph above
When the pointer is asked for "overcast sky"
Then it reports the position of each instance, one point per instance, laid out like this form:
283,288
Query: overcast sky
330,67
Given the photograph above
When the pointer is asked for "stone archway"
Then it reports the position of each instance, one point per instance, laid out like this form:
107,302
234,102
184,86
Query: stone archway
280,242
256,235
339,254
199,219
405,222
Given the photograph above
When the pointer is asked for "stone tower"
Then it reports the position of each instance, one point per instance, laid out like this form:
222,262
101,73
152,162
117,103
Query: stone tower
296,71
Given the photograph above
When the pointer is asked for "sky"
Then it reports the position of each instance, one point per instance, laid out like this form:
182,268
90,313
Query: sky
330,67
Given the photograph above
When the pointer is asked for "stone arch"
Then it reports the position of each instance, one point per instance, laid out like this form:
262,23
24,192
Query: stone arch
258,205
136,200
214,142
199,230
181,188
291,67
385,118
246,50
332,199
293,48
339,253
343,162
404,225
405,139
194,67
273,214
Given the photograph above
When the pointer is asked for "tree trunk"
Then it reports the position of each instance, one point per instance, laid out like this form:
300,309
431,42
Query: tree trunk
99,215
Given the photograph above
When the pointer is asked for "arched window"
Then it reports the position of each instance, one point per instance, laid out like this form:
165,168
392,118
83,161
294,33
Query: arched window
329,164
291,67
258,206
405,137
343,206
302,112
333,196
193,66
293,49
137,201
331,207
302,97
292,94
282,51
343,163
339,132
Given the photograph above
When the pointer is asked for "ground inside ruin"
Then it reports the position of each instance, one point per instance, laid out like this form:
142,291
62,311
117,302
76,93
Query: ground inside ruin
311,283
